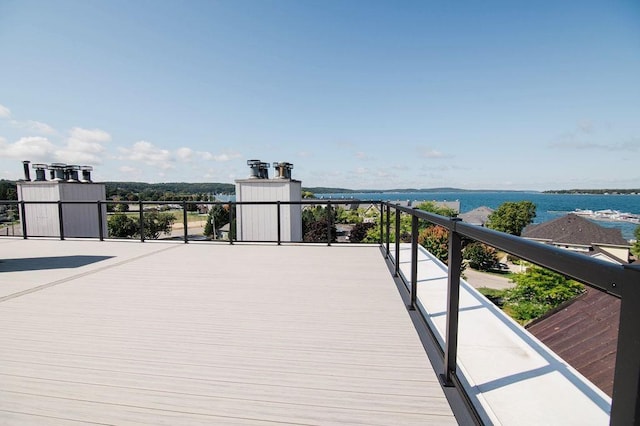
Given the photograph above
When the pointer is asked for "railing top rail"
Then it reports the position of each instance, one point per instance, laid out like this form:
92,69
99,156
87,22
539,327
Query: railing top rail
602,275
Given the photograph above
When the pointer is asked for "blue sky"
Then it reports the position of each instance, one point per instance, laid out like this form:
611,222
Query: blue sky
357,94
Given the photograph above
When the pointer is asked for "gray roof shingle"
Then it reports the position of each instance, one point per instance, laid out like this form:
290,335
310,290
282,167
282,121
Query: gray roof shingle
573,229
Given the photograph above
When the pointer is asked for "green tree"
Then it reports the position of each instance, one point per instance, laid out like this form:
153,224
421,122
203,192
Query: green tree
157,223
430,206
480,256
512,217
349,216
122,207
316,232
218,217
635,249
436,240
8,190
359,232
537,291
122,226
314,224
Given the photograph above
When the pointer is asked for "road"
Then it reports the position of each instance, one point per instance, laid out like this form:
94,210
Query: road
484,279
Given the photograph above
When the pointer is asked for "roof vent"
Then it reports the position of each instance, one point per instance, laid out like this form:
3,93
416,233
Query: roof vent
86,174
259,170
283,170
40,172
71,173
25,165
57,171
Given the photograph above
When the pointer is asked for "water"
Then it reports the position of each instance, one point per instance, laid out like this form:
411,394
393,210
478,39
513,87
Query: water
548,206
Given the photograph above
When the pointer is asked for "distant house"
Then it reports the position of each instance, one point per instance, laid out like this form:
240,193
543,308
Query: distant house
575,233
478,216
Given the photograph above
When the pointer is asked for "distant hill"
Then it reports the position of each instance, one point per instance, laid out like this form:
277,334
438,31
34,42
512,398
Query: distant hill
121,188
593,191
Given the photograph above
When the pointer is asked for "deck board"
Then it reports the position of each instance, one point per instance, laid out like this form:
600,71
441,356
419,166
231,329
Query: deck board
212,334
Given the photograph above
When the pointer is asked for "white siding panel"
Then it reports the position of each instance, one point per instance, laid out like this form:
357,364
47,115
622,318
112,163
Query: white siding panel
79,220
260,223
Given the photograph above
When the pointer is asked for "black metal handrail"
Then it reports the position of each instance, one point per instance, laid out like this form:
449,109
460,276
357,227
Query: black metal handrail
233,205
622,281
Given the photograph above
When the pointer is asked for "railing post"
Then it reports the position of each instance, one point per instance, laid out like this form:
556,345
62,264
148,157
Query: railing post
453,304
381,223
625,406
279,225
23,213
329,217
184,221
231,208
60,220
388,226
141,220
397,234
414,262
100,221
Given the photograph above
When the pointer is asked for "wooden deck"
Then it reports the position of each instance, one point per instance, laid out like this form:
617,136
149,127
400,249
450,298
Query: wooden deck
169,333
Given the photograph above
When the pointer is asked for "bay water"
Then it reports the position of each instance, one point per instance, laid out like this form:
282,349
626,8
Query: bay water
548,206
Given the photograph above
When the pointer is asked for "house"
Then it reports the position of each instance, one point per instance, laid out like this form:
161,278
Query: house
575,233
585,334
477,216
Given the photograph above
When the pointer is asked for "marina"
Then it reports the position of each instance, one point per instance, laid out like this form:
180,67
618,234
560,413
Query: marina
609,215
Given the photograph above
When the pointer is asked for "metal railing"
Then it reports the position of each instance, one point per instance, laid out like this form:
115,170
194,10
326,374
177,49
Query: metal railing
622,281
234,206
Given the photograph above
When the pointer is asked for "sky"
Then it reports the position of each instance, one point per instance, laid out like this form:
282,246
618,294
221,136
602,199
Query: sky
505,95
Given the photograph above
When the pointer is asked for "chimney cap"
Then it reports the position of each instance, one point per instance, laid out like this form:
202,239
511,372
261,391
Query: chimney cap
40,166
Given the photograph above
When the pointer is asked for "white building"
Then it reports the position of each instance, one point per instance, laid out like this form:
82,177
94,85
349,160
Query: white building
260,222
78,220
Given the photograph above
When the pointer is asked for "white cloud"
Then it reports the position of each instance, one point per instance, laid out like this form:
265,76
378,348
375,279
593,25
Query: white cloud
185,154
432,153
148,154
220,158
4,112
226,156
361,155
36,148
34,126
84,146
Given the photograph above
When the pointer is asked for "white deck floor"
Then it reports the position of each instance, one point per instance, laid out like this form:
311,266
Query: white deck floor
170,333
